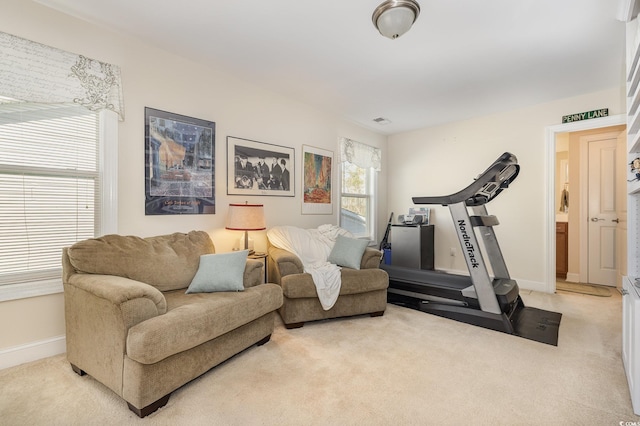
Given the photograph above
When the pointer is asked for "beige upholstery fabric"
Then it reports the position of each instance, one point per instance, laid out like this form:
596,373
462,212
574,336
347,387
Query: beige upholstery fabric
296,286
146,381
196,319
362,291
296,311
253,273
167,262
131,326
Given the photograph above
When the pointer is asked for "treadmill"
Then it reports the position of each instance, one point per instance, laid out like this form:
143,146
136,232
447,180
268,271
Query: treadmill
477,298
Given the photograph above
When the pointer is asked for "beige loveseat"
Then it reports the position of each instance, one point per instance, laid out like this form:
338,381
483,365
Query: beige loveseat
362,291
131,326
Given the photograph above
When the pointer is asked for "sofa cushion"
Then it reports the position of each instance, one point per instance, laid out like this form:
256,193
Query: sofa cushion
347,252
167,262
298,286
193,319
220,272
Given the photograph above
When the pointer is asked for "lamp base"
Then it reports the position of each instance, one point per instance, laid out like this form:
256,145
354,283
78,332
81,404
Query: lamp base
249,247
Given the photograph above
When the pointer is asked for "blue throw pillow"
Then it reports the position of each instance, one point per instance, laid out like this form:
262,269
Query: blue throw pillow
348,252
220,272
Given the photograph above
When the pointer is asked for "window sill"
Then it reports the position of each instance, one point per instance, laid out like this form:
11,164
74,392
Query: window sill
32,289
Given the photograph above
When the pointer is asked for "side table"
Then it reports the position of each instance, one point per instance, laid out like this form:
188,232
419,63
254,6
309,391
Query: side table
262,256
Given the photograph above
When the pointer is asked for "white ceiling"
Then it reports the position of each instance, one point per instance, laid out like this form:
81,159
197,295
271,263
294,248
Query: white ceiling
462,58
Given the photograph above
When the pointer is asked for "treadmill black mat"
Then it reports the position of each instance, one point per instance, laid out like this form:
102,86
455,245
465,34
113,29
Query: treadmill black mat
537,324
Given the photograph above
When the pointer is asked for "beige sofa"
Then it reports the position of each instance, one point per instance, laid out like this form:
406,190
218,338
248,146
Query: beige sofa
362,291
131,326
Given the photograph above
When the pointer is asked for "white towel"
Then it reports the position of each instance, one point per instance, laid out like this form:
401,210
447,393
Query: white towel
564,201
313,247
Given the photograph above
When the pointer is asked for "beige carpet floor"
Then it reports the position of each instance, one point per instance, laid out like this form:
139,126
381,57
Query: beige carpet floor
404,368
593,290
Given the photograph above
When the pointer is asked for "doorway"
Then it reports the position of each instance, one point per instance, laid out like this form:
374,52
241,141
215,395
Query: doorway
597,162
553,205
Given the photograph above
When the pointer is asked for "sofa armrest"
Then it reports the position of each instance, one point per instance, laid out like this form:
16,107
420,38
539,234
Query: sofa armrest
253,273
134,300
99,311
283,263
371,258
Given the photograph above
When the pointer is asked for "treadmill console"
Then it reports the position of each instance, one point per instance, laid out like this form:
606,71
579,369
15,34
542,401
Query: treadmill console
484,188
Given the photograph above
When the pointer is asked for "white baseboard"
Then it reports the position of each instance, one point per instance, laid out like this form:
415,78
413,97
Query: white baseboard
533,285
572,277
34,351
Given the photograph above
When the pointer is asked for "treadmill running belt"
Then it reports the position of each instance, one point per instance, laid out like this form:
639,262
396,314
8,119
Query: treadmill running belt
537,324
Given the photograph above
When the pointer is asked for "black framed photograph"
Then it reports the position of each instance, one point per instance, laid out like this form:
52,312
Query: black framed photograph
179,164
259,168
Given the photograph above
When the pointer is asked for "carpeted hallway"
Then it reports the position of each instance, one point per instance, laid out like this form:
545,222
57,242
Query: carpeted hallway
405,368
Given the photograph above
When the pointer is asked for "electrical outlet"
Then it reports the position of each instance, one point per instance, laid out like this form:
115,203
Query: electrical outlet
453,252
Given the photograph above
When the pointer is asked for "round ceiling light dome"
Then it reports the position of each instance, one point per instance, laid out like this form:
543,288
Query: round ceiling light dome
395,17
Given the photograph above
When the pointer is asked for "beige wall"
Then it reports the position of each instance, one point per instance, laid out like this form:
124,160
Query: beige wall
157,79
444,159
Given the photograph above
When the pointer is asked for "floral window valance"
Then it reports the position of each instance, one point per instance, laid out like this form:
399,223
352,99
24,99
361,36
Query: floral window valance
34,72
362,155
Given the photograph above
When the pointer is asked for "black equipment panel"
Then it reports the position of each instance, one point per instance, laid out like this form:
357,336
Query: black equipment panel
485,188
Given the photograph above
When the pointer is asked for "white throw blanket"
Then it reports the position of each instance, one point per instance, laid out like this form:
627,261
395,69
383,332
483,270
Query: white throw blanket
313,247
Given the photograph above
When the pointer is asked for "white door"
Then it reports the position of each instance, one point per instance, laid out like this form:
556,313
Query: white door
603,210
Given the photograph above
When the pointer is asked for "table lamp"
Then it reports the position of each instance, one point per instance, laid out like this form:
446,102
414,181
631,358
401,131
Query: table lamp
246,217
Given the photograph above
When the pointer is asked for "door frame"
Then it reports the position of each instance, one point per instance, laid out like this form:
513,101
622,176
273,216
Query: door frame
550,170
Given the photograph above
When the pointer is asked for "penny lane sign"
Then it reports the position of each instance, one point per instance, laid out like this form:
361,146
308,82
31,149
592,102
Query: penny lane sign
585,115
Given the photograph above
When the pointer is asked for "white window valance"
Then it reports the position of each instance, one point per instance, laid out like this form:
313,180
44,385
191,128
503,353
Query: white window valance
362,155
34,72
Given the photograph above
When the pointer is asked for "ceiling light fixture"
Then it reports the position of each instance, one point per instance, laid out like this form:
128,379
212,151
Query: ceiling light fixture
395,17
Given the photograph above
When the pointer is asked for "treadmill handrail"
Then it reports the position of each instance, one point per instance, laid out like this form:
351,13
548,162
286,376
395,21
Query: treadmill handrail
501,173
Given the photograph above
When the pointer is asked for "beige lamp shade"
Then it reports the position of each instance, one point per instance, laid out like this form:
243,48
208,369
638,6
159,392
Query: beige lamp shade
246,217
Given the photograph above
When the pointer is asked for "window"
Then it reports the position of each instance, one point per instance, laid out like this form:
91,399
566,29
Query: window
358,166
357,200
52,188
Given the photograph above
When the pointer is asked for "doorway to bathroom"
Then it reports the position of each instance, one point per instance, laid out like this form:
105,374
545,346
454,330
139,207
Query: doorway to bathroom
576,215
590,205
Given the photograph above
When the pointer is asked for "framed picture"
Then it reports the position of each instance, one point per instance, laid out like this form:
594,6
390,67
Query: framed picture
317,166
179,164
258,168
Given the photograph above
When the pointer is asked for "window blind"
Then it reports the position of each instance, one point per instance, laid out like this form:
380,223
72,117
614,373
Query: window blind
49,186
358,162
360,154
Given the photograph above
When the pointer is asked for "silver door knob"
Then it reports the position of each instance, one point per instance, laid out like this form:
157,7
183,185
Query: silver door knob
595,219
